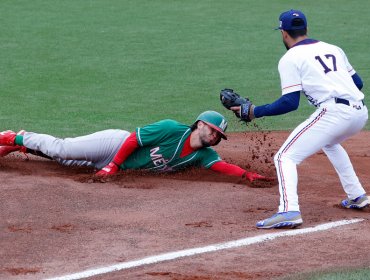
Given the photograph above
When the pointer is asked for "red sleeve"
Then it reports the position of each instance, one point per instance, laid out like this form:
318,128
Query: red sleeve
127,148
228,168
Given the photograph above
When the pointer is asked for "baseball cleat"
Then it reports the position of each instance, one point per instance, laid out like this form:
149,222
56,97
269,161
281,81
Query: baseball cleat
7,138
290,219
360,202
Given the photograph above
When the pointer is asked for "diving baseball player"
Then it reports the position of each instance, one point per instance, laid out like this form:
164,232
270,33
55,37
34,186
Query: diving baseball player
163,146
323,74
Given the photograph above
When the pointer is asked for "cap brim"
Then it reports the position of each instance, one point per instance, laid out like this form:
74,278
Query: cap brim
223,135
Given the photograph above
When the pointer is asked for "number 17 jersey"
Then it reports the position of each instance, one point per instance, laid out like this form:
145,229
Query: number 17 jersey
321,70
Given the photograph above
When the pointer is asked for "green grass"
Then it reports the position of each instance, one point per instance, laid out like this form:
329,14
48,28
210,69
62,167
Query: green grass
347,274
70,67
76,66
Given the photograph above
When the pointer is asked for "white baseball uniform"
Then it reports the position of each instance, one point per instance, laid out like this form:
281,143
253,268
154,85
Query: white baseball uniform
322,72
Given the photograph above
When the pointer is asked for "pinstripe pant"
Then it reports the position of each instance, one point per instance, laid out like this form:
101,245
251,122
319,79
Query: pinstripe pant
324,130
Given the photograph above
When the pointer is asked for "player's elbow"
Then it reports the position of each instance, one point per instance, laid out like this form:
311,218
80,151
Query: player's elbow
291,101
290,106
294,106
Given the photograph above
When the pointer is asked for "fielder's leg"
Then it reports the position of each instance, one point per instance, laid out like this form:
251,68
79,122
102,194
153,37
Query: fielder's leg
352,120
343,166
305,140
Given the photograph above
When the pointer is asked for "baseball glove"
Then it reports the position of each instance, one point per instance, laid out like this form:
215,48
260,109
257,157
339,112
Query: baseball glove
229,98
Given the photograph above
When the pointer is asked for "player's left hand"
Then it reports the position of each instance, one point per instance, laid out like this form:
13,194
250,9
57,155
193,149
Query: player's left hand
252,176
244,112
110,169
241,106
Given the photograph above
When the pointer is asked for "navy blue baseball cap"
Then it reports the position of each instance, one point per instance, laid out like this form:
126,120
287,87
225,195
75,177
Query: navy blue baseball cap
292,20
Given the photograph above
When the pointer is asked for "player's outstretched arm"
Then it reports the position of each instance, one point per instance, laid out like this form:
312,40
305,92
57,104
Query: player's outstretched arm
127,148
234,170
246,111
285,104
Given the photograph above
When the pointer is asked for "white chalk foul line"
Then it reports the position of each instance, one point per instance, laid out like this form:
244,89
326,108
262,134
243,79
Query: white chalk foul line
201,250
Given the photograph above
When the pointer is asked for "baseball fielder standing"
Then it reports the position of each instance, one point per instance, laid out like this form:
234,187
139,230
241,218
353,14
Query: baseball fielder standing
323,74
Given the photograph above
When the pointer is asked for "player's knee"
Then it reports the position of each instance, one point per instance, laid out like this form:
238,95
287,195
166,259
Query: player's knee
286,157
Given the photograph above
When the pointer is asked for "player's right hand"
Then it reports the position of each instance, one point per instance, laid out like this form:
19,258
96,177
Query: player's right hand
110,169
252,176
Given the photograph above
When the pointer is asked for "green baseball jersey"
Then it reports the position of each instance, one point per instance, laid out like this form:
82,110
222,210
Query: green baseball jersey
160,146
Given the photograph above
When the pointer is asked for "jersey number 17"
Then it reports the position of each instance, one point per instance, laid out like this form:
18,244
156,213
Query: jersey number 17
328,58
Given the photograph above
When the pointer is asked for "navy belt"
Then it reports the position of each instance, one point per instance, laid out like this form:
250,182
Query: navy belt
344,101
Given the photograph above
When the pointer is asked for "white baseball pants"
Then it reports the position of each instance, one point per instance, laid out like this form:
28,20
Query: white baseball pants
325,129
95,150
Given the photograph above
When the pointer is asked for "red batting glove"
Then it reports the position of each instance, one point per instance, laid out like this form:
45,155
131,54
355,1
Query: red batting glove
251,176
110,169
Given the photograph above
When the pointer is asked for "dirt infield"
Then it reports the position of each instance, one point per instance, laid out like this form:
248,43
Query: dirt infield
59,220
